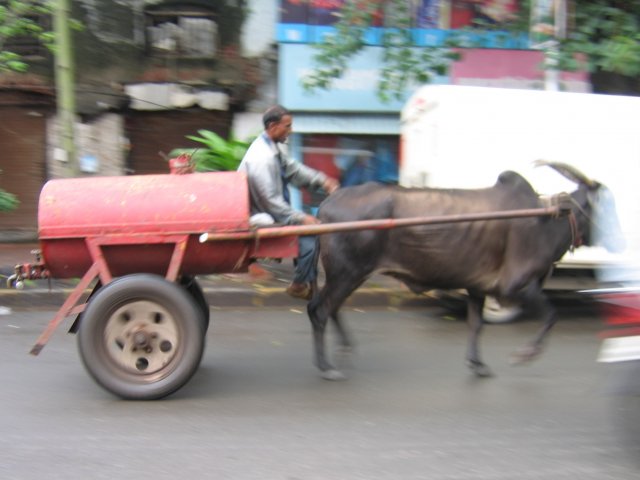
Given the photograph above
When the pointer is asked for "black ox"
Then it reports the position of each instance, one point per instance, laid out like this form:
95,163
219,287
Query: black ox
507,259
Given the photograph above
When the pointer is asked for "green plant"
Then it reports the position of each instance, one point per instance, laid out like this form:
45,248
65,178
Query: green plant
20,19
8,201
602,37
218,155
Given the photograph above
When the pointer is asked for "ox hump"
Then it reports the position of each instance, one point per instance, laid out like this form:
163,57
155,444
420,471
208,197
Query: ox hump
514,180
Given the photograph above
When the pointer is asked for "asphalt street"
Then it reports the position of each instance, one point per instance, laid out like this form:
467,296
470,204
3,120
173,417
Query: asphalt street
257,408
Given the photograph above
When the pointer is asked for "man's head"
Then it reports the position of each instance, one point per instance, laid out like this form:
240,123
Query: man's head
277,123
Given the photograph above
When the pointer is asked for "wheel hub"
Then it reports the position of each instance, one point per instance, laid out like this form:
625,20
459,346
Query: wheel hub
142,337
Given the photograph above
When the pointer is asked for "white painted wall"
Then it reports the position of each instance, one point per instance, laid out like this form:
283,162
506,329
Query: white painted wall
101,141
258,38
259,28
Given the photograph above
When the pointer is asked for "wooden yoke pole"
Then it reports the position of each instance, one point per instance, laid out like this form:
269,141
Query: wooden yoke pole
380,224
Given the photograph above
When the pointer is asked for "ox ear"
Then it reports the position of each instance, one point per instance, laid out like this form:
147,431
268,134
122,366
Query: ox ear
569,172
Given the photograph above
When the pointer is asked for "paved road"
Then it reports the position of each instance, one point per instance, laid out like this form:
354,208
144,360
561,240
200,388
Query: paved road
257,409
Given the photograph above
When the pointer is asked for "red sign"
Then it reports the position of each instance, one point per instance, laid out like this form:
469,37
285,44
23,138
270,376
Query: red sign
509,69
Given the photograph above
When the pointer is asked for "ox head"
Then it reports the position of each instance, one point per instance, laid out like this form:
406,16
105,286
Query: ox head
595,202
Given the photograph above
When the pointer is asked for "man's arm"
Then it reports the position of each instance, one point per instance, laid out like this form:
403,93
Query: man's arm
302,176
264,186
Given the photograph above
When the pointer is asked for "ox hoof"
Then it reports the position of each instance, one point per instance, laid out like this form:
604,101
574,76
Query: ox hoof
333,375
524,355
479,369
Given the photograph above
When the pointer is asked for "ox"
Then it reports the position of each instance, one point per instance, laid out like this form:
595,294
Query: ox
507,259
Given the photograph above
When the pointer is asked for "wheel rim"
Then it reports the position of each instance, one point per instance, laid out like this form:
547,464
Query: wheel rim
142,337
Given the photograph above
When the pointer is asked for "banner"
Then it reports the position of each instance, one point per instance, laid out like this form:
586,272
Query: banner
427,14
294,11
492,12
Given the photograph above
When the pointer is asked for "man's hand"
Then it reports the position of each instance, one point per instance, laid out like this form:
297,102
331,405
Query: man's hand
330,185
310,220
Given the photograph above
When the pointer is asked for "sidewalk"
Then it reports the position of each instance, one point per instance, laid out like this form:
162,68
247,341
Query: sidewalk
263,286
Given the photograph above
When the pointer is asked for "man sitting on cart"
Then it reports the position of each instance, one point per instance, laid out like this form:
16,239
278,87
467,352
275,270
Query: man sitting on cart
269,172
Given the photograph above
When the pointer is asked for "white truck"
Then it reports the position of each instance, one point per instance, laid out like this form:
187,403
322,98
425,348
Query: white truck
464,137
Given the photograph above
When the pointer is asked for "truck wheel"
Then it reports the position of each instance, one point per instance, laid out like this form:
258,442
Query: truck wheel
142,337
195,290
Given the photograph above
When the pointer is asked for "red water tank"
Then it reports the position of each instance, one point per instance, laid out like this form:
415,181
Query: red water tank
136,219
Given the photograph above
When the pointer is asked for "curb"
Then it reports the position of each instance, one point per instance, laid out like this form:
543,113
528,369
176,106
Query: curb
227,297
277,297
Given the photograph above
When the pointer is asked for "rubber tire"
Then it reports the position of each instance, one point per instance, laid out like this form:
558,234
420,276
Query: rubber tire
190,339
195,290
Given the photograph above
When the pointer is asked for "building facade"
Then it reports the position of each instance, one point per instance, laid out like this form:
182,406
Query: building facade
347,131
147,74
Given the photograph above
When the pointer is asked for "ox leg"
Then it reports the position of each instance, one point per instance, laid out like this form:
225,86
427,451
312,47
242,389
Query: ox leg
319,314
532,349
324,305
475,303
345,342
344,338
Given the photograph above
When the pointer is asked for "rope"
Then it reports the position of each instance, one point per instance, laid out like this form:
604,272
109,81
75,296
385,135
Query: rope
576,238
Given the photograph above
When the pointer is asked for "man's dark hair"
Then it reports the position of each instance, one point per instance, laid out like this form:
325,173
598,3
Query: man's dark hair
274,115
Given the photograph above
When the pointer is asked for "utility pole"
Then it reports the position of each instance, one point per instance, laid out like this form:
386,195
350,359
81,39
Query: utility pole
552,75
547,27
65,73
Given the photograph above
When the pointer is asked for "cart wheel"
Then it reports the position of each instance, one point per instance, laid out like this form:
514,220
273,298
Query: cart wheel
142,337
195,290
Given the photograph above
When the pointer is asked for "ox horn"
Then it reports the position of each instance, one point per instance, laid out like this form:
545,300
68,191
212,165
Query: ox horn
568,171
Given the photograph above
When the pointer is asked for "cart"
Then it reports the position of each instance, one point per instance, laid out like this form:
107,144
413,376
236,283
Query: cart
137,245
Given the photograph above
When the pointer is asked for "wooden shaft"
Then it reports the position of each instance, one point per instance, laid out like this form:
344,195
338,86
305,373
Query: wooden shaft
378,224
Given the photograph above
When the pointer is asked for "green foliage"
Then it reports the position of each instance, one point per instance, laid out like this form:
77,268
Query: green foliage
604,36
607,33
218,155
403,64
334,54
17,18
8,201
